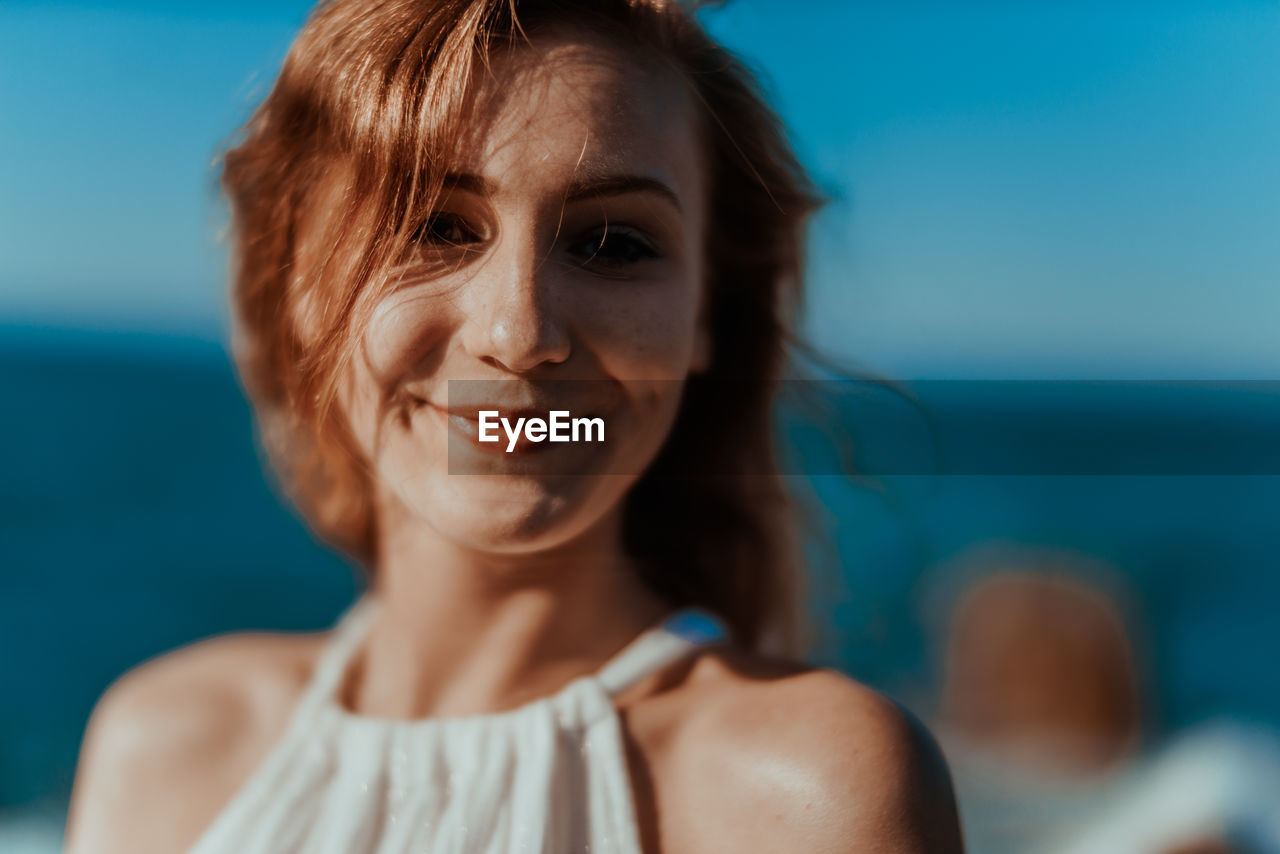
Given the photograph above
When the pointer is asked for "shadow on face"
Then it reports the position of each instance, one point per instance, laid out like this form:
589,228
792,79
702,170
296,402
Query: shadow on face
561,268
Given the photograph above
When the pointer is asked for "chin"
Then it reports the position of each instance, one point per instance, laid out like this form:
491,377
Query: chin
511,514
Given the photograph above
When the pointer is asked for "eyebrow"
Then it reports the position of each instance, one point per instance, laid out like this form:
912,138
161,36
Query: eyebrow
589,188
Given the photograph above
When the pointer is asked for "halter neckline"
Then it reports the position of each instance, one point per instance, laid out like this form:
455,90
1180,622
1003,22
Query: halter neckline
667,640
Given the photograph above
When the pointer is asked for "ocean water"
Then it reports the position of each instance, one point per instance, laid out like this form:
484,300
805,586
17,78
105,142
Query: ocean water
135,517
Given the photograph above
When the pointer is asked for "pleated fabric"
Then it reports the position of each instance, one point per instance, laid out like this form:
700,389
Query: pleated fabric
548,776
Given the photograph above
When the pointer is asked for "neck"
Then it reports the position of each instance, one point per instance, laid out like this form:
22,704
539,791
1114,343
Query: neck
466,632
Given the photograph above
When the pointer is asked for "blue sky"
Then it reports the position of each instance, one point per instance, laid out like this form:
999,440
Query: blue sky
1020,189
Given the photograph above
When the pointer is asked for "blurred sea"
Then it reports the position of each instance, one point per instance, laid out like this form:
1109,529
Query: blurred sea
135,517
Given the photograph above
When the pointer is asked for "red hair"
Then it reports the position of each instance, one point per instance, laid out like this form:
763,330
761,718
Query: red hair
382,88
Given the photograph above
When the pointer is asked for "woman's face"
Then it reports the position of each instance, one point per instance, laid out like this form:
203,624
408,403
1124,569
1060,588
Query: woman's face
561,270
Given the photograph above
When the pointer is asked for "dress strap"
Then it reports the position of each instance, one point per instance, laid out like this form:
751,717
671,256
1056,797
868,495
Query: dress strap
676,636
348,631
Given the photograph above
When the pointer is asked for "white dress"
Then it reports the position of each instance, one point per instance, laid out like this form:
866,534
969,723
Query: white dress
547,776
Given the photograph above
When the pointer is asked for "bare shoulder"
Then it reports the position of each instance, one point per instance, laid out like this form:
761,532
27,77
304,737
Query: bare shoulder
772,755
172,738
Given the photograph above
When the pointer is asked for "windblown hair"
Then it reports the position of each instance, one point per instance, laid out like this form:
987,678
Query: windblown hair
382,87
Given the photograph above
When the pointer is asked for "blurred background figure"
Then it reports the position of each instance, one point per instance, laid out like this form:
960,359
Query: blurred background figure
1041,714
1039,670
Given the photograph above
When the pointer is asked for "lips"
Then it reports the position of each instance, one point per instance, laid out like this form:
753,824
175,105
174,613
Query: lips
471,413
464,422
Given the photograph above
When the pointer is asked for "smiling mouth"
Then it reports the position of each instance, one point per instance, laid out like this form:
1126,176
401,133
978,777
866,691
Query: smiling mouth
464,423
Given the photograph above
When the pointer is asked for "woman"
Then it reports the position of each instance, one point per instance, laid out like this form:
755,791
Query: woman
445,209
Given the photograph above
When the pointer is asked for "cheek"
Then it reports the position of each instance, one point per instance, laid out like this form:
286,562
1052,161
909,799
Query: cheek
359,402
403,335
647,331
403,332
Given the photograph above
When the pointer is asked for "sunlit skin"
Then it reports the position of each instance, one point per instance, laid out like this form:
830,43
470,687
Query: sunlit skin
568,247
500,589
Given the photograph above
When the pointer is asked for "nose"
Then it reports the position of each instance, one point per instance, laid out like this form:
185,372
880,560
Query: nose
514,318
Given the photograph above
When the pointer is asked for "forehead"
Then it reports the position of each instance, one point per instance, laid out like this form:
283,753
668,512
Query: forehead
574,103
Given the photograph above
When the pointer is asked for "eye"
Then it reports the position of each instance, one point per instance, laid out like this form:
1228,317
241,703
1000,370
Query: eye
613,246
443,229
